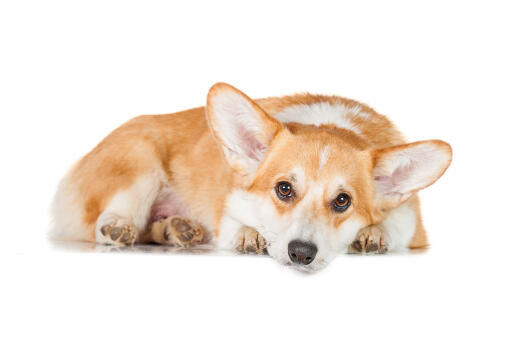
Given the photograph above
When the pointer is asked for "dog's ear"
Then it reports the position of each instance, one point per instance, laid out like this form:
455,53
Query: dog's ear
399,171
243,129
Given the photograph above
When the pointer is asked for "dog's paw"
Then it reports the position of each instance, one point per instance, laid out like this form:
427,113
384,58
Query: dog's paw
119,234
250,241
182,232
369,240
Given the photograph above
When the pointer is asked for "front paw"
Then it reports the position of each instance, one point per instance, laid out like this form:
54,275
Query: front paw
369,240
250,241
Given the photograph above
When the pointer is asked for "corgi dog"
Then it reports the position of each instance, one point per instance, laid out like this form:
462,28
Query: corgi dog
301,177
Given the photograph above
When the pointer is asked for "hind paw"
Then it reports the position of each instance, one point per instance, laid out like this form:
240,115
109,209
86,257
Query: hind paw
125,234
179,231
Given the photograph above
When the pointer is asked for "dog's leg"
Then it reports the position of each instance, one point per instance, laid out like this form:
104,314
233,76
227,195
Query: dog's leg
176,231
250,241
402,224
127,213
402,229
369,240
240,238
420,237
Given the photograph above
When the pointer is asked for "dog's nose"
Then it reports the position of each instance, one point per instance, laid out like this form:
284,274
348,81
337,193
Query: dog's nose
301,252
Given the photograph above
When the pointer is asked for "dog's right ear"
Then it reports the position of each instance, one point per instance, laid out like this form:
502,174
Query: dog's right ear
243,129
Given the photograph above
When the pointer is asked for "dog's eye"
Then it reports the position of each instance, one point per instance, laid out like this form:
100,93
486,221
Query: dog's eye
284,191
342,202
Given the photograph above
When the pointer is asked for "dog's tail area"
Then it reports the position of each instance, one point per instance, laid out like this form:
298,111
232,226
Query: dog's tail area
66,213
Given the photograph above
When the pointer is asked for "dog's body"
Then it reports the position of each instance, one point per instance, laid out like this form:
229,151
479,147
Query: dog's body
216,173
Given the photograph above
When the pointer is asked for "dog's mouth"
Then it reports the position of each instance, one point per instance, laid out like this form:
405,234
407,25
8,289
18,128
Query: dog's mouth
308,269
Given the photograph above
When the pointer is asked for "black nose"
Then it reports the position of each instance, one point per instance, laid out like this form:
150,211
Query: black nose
301,252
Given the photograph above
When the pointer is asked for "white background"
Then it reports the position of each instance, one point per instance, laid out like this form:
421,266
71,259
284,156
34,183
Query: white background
72,71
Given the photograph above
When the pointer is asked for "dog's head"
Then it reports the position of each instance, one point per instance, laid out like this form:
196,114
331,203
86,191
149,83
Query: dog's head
307,189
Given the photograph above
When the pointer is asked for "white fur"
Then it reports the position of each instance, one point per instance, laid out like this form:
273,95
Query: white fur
399,228
323,157
132,205
66,213
322,113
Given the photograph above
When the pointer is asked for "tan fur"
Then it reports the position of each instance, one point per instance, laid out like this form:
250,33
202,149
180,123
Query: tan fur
347,150
183,147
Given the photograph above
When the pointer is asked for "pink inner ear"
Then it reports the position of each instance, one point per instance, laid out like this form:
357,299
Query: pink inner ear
383,184
413,167
250,145
390,184
240,126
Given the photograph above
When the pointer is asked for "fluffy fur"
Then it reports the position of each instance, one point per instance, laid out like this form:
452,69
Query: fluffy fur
218,167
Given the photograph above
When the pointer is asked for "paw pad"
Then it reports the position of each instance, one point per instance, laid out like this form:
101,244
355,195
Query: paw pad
123,235
182,232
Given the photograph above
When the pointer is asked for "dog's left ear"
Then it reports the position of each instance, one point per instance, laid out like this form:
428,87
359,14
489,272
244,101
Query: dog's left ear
399,171
243,129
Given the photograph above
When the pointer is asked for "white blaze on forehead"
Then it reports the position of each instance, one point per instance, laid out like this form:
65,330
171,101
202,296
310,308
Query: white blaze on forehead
323,157
297,175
